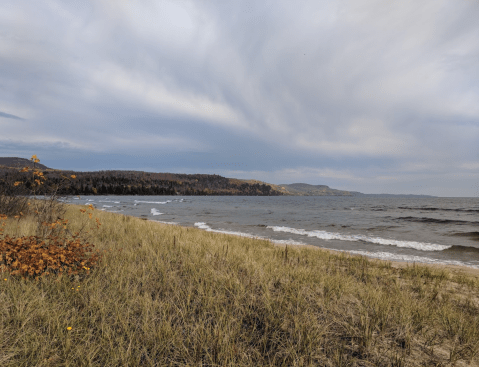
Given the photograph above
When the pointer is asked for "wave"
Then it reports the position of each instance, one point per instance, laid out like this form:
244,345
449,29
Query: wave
439,209
464,249
155,211
204,226
324,235
153,202
471,235
435,220
171,223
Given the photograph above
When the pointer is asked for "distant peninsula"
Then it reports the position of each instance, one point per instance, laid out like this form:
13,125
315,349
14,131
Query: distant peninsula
120,182
303,189
359,194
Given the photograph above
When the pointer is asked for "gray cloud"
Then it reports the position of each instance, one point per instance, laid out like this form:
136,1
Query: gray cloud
9,116
329,86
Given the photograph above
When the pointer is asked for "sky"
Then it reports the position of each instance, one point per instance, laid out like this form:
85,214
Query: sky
363,95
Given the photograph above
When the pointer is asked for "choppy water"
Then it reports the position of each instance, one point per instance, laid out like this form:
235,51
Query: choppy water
430,230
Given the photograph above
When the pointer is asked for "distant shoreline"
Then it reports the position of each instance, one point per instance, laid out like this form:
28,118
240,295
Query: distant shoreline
129,182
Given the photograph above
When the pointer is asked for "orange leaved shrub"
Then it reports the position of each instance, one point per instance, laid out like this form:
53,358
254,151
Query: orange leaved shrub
56,251
33,257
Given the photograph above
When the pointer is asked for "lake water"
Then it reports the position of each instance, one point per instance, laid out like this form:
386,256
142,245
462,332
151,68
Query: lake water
428,230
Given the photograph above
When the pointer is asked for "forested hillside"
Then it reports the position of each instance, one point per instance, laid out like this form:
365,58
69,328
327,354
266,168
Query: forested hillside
133,183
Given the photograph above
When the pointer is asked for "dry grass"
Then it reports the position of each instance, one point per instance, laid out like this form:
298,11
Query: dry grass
166,295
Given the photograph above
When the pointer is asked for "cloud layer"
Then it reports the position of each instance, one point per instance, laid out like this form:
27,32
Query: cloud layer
363,95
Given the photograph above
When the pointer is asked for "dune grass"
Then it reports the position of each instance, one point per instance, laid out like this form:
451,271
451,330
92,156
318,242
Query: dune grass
173,296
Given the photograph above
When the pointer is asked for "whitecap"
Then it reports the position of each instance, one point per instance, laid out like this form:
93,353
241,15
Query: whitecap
155,211
422,246
204,226
152,202
172,223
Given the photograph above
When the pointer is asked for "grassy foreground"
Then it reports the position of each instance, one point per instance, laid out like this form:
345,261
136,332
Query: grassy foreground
167,295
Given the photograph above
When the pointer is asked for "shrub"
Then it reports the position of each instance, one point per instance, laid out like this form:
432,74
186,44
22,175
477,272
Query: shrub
34,257
55,250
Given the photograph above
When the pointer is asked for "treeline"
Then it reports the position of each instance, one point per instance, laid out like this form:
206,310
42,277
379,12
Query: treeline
132,183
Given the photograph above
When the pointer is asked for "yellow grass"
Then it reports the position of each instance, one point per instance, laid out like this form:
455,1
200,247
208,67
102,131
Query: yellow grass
172,296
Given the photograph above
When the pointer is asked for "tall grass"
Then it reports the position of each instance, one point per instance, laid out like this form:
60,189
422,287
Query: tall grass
167,295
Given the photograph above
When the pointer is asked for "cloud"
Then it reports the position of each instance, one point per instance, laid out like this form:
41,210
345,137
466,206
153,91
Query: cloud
388,87
154,95
39,143
9,116
473,166
303,80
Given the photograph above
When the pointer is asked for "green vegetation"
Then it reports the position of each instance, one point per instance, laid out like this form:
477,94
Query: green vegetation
167,295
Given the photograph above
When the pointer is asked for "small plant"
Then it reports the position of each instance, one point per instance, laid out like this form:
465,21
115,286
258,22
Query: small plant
55,250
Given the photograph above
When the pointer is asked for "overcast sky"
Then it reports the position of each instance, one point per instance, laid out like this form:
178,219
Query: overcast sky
364,95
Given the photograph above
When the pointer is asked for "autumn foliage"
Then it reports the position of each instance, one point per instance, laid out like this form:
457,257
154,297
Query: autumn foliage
33,257
55,251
